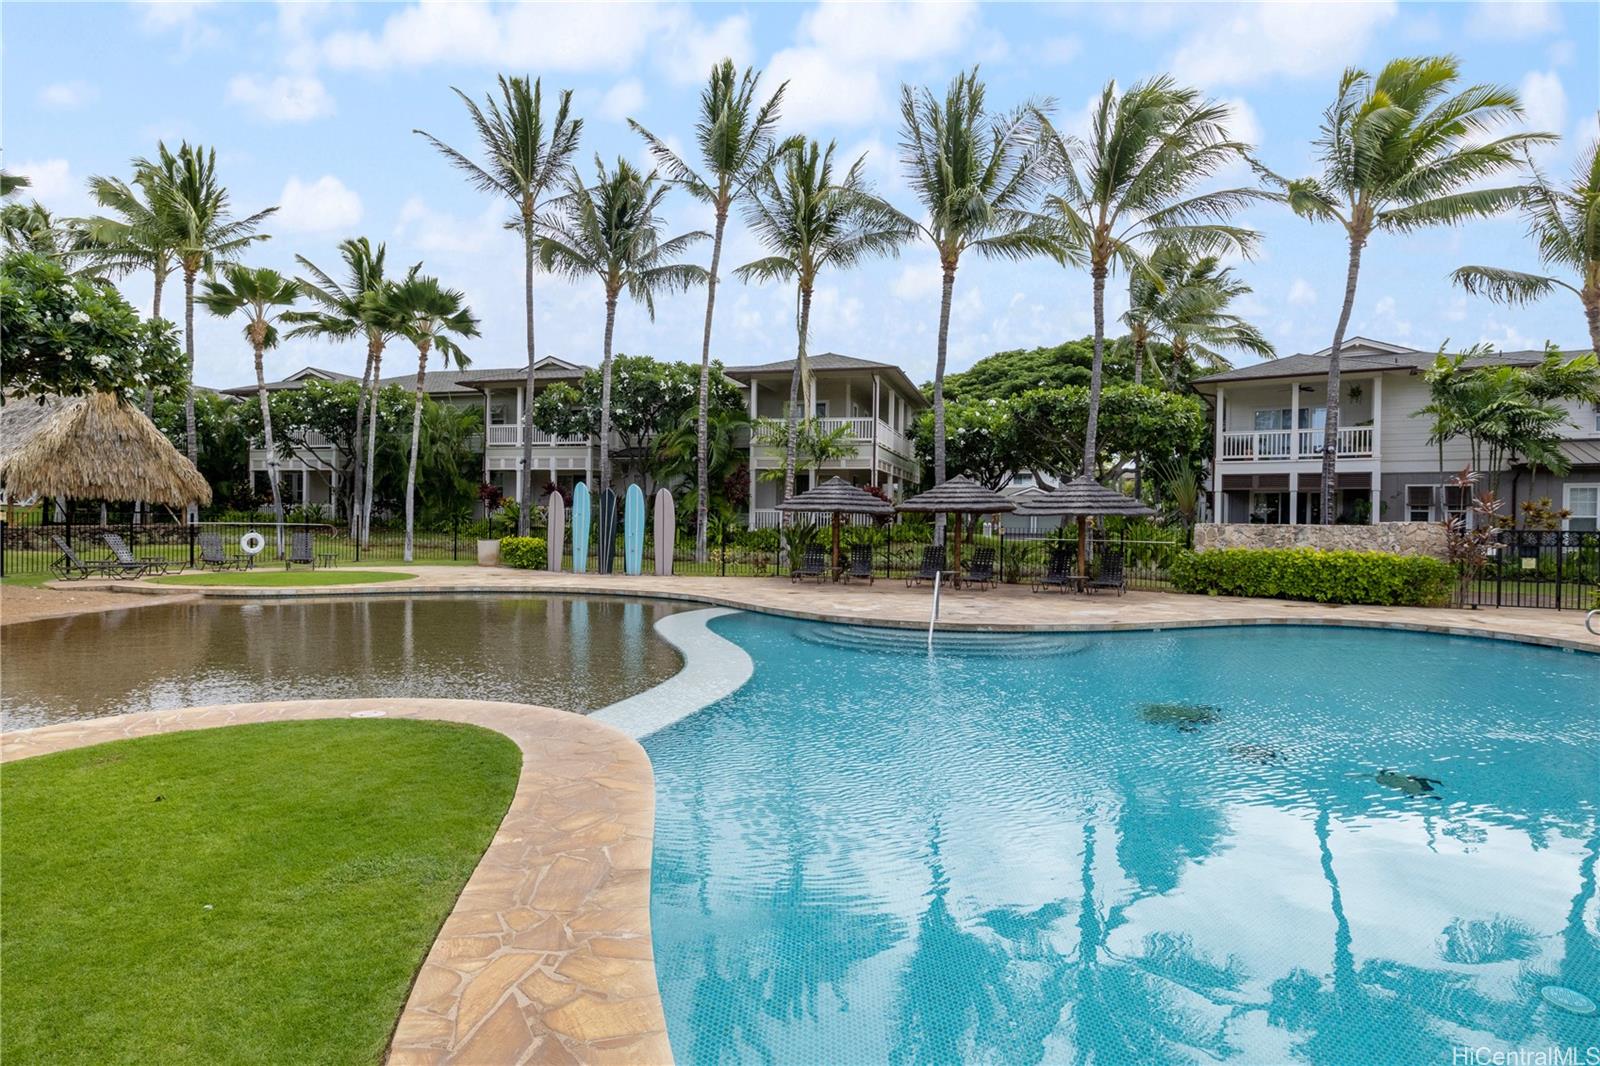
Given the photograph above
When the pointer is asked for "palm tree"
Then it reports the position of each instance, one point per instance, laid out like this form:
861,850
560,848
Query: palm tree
1183,300
262,294
520,163
1130,185
184,191
809,219
430,316
612,231
736,142
976,174
344,311
1400,153
10,184
1562,221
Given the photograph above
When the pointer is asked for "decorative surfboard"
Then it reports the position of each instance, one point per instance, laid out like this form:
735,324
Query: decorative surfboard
666,531
633,531
580,528
556,540
607,523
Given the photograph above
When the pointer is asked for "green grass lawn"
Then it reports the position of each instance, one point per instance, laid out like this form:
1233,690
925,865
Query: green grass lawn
284,578
257,893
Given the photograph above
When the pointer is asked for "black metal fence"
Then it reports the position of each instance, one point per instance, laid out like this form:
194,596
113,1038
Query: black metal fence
1538,568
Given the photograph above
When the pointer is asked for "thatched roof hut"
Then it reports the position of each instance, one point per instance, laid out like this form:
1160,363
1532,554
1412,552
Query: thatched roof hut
958,495
1083,497
836,496
94,447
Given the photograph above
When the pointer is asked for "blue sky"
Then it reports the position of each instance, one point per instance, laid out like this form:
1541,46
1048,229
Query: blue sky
311,107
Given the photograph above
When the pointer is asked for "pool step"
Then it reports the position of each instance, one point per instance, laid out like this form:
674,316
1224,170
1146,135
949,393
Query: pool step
963,643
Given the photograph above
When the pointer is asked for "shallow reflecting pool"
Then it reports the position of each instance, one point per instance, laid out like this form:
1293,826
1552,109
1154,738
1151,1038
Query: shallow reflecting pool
576,653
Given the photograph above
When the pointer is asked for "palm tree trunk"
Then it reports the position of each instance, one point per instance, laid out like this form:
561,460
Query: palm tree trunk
702,476
160,282
1138,357
1330,433
792,437
525,476
355,469
272,451
191,444
605,395
946,292
416,433
1092,426
1591,314
372,444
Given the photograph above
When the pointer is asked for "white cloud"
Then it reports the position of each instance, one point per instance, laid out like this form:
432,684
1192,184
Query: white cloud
556,37
317,206
691,50
1386,321
1245,45
1544,102
51,183
1301,294
1501,20
68,95
824,90
421,227
183,17
1059,51
286,98
622,100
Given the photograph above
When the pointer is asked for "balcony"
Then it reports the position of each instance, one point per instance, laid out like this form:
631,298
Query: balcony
511,436
1279,445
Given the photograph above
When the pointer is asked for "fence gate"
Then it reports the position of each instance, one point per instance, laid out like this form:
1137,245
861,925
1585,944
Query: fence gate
1539,568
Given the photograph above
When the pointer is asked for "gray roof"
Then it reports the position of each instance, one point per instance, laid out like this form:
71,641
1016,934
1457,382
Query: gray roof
829,363
435,383
1360,355
959,495
837,496
1083,495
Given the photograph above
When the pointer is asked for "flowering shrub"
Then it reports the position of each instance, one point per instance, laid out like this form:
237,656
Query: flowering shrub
524,553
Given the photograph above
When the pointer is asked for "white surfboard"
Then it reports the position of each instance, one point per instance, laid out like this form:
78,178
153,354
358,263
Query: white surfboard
666,531
555,543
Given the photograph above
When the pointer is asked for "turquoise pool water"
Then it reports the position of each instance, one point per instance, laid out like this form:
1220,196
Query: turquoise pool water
1133,847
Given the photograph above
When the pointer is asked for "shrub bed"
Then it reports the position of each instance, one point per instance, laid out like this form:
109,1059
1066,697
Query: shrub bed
1321,576
524,553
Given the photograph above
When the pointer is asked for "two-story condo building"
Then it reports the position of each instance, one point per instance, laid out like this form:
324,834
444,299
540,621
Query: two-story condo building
1270,421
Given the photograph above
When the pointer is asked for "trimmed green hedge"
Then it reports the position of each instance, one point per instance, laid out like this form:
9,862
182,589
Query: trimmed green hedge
1322,576
524,553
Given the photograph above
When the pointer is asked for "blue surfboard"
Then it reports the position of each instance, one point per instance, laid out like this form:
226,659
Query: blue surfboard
580,528
633,531
606,520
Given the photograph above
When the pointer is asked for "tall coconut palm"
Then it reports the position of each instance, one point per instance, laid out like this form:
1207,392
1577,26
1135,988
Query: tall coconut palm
344,310
1130,186
522,162
263,295
430,316
736,140
1565,224
1183,300
976,174
811,218
1400,152
611,230
186,195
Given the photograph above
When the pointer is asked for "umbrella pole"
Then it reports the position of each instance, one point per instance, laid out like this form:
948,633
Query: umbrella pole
1083,547
957,579
836,520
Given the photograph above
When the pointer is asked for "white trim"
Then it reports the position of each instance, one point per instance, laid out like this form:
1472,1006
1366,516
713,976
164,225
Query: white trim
1566,502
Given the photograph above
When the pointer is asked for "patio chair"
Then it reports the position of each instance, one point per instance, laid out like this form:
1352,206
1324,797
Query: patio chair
301,550
933,564
215,557
1111,575
1060,572
70,566
860,563
127,562
813,563
980,571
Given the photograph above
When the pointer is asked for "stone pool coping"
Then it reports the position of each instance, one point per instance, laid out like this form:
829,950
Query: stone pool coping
546,955
1003,609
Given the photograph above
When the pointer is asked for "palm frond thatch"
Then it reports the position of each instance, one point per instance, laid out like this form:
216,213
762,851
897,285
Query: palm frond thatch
958,495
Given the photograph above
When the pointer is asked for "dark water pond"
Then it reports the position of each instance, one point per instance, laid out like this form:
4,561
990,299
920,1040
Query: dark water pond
576,653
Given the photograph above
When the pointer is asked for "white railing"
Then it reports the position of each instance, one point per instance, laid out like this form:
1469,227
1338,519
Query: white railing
860,428
894,440
1355,442
772,518
512,435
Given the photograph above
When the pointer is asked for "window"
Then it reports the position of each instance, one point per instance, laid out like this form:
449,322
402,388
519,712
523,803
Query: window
1422,501
1597,418
822,409
500,412
1268,507
1584,503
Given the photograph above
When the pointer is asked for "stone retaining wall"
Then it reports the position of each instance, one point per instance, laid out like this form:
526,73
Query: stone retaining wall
1401,538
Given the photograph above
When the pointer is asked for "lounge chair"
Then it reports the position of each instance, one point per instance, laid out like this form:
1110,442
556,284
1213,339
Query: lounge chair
215,557
813,563
301,550
860,564
980,571
129,563
1111,575
70,566
933,564
1061,571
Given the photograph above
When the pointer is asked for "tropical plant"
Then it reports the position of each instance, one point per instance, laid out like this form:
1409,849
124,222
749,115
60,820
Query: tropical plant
736,140
522,162
11,184
976,174
1565,225
197,218
809,219
1183,299
675,452
1131,185
430,316
344,311
1400,153
32,228
611,230
807,441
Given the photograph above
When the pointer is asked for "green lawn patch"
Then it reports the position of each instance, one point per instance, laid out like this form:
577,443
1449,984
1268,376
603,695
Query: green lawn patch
256,893
284,578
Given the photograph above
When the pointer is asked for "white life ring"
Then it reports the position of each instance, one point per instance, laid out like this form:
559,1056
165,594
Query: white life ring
252,543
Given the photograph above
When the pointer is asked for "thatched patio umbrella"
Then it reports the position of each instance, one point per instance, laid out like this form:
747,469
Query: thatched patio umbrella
838,497
959,495
92,447
1083,497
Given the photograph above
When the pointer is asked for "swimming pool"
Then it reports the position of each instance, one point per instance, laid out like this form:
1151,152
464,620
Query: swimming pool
1258,844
